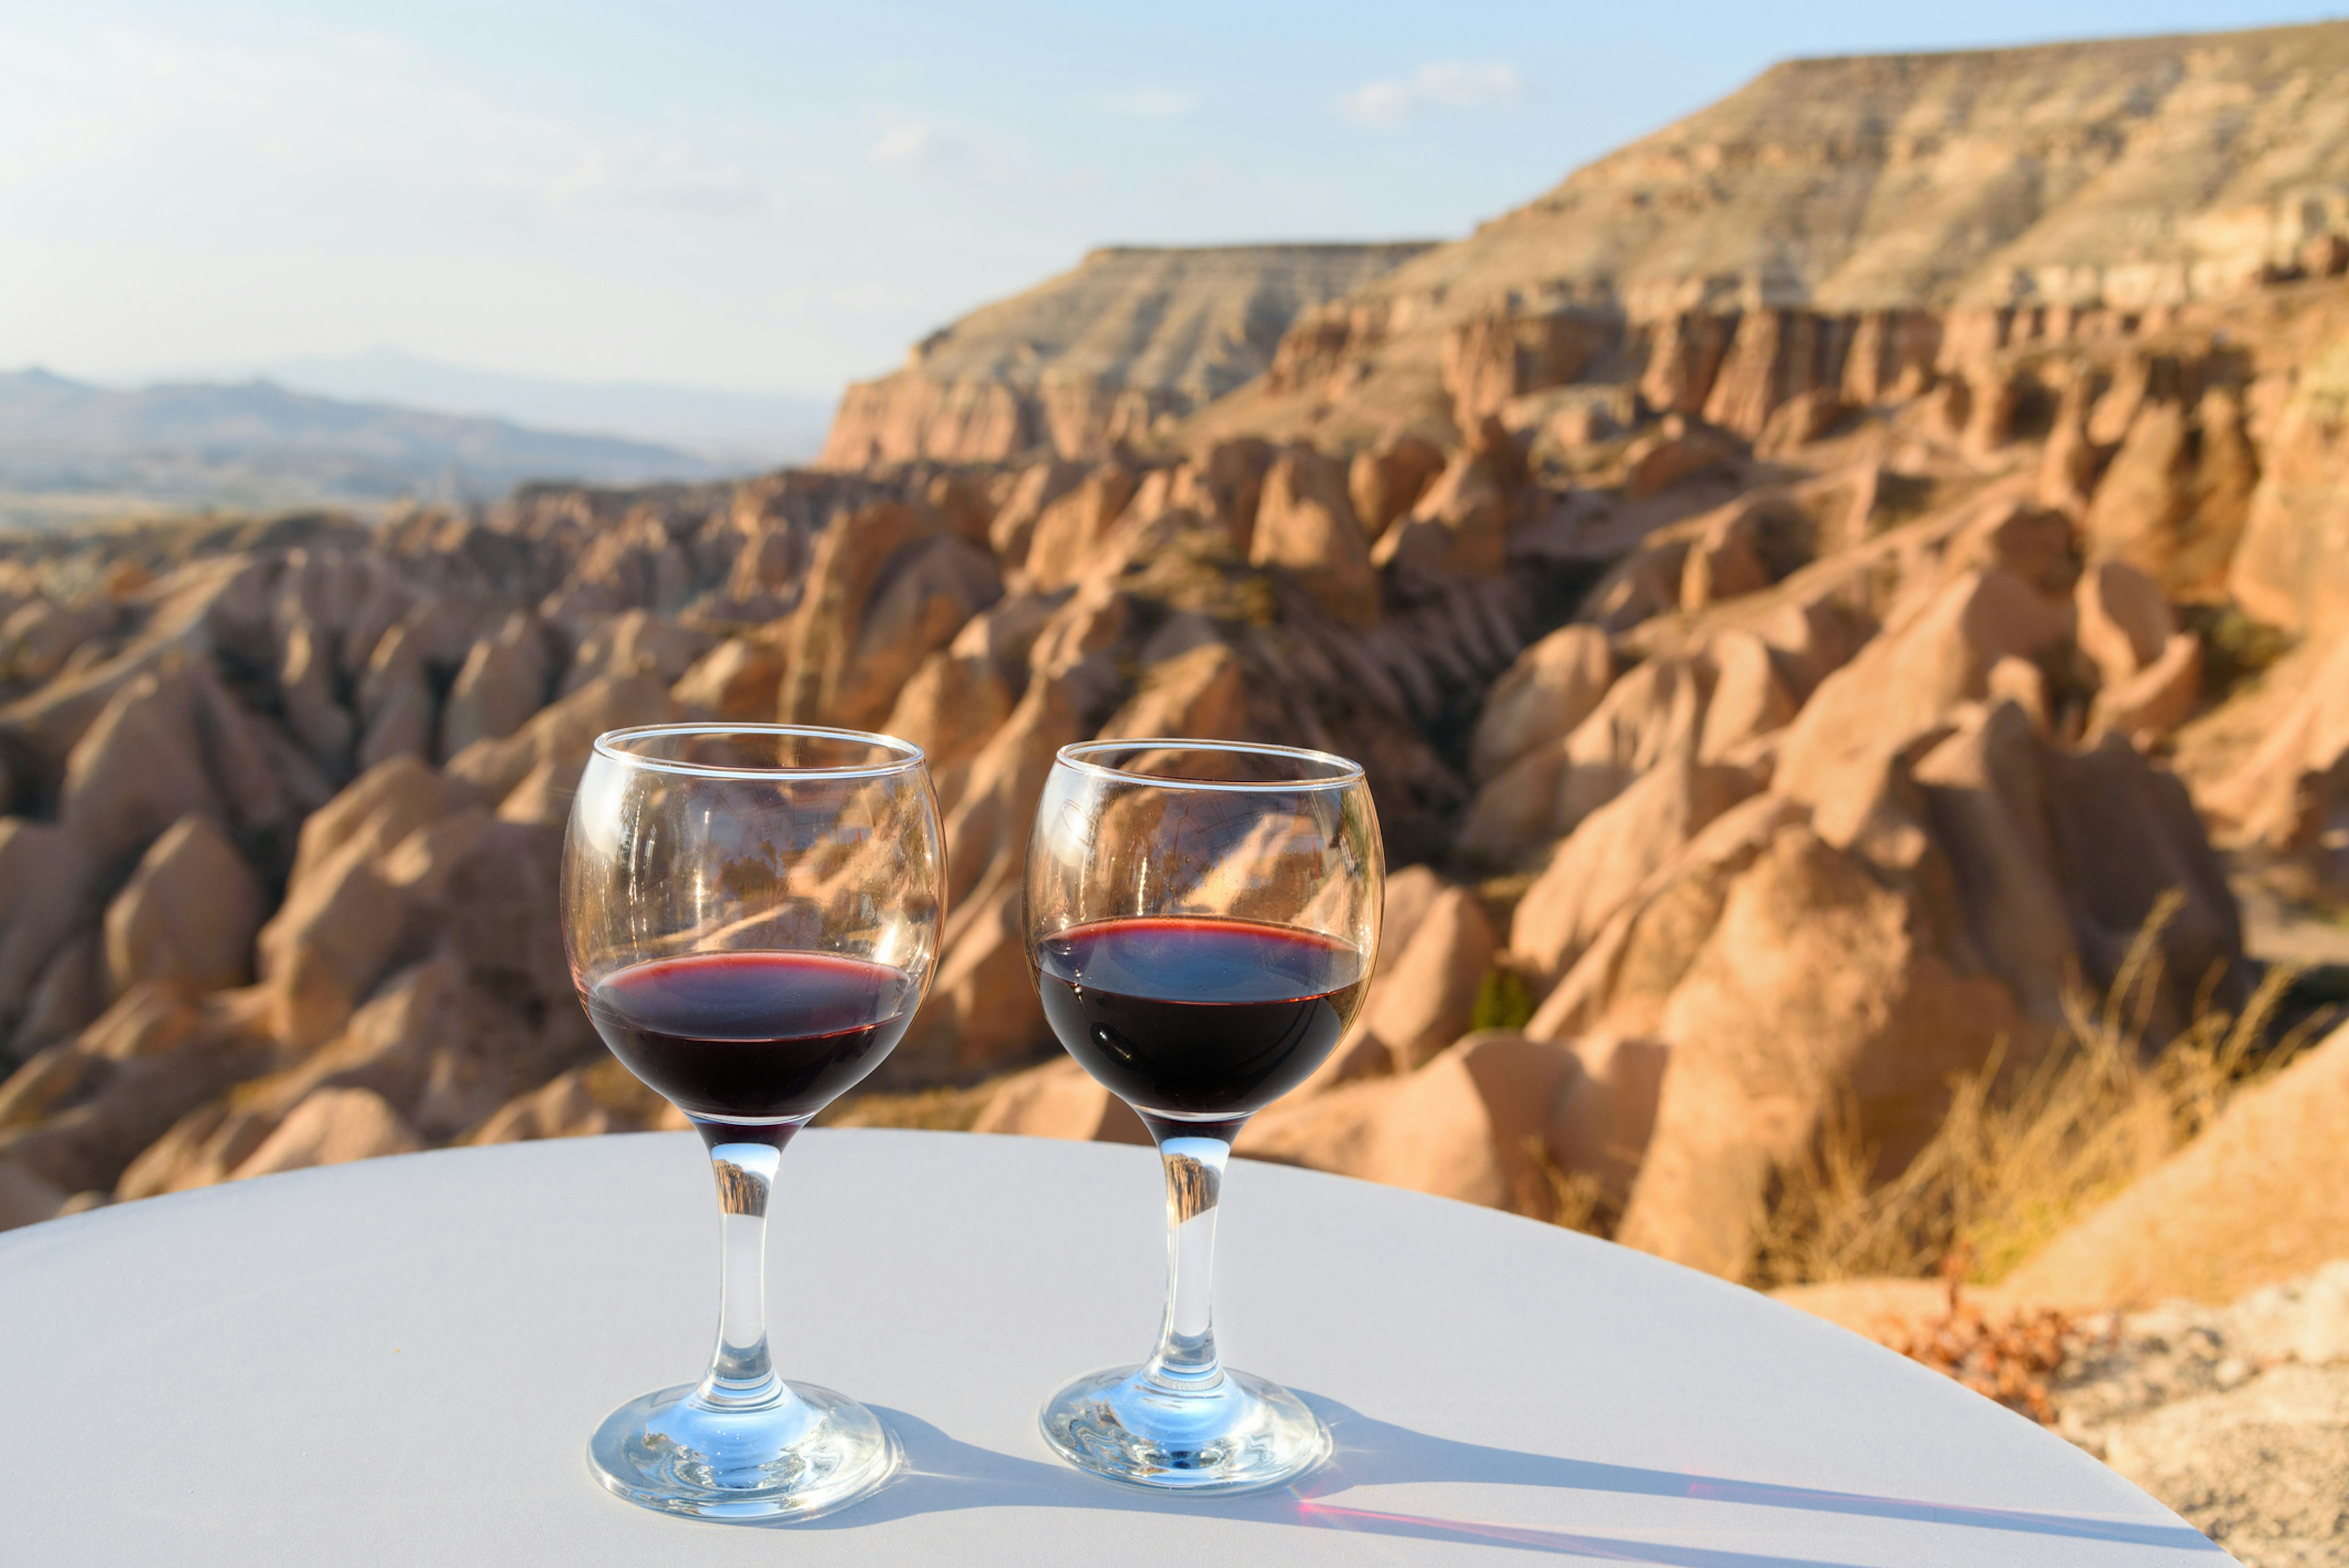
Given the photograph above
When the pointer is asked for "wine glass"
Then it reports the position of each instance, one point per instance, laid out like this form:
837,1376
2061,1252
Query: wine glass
1202,919
751,914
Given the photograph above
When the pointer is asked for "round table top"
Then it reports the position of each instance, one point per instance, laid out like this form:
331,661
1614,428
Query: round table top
399,1362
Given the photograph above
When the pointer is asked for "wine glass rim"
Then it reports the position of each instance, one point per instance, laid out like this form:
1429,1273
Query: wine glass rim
611,743
1344,771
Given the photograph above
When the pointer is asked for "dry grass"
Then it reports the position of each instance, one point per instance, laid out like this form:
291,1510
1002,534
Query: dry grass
2024,1149
1576,1200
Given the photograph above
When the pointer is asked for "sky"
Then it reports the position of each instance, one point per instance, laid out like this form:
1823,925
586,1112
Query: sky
779,197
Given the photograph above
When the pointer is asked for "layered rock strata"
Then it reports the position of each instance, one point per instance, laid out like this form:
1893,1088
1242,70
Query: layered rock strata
1113,351
1844,224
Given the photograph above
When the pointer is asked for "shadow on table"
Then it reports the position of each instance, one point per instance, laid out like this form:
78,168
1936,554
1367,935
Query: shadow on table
943,1474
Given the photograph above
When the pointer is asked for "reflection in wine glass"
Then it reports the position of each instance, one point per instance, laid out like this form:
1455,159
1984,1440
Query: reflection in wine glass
1202,919
751,914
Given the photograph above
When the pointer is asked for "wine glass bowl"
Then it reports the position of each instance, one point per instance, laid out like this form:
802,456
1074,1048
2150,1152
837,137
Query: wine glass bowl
1201,922
751,915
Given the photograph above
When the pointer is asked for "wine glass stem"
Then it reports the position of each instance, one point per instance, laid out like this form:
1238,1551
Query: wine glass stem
741,1372
1195,1159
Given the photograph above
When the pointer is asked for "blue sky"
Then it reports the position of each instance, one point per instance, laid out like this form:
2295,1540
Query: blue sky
783,196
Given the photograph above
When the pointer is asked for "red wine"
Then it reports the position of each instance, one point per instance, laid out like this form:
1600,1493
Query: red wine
752,1036
1197,1016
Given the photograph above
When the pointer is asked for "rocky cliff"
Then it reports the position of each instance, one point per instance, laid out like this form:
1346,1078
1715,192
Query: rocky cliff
1120,346
1880,194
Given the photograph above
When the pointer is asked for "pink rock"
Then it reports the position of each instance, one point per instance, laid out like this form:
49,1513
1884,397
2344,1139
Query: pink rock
1461,523
1628,972
2149,705
398,715
636,642
69,994
1386,480
1202,694
201,1149
1551,688
1060,1100
305,685
188,913
1817,975
1424,1002
502,683
1071,528
888,587
80,1113
37,639
2285,795
2291,568
1305,525
1604,1114
1751,697
24,1197
738,679
538,764
330,1127
141,768
954,702
47,890
1038,487
2124,624
2253,1201
1902,685
1612,853
567,1106
1463,1126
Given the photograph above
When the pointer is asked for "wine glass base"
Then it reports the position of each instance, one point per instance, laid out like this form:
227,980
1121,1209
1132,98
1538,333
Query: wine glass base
808,1452
1242,1435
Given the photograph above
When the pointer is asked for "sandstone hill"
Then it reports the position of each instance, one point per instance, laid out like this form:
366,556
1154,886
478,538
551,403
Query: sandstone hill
1121,346
1862,198
1779,780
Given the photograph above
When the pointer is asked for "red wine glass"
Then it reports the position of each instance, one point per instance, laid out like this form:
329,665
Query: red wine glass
751,913
1202,919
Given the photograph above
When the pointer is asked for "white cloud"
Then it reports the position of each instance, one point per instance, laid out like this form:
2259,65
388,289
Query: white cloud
910,145
1441,84
671,177
1147,103
357,122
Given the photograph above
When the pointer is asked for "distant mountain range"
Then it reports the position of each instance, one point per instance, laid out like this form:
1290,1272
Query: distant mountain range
756,428
70,449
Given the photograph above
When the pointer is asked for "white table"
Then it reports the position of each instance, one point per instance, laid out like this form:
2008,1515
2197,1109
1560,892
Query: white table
399,1362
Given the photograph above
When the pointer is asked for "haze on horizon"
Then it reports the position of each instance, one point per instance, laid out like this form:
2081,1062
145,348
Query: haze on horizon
780,203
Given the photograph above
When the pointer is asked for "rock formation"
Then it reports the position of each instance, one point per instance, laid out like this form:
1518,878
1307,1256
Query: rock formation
2229,1413
1859,226
2181,1230
1112,351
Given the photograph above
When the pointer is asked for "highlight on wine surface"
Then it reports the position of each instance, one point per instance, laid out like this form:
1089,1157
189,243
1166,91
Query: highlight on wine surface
754,1037
1198,1015
1202,920
751,915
